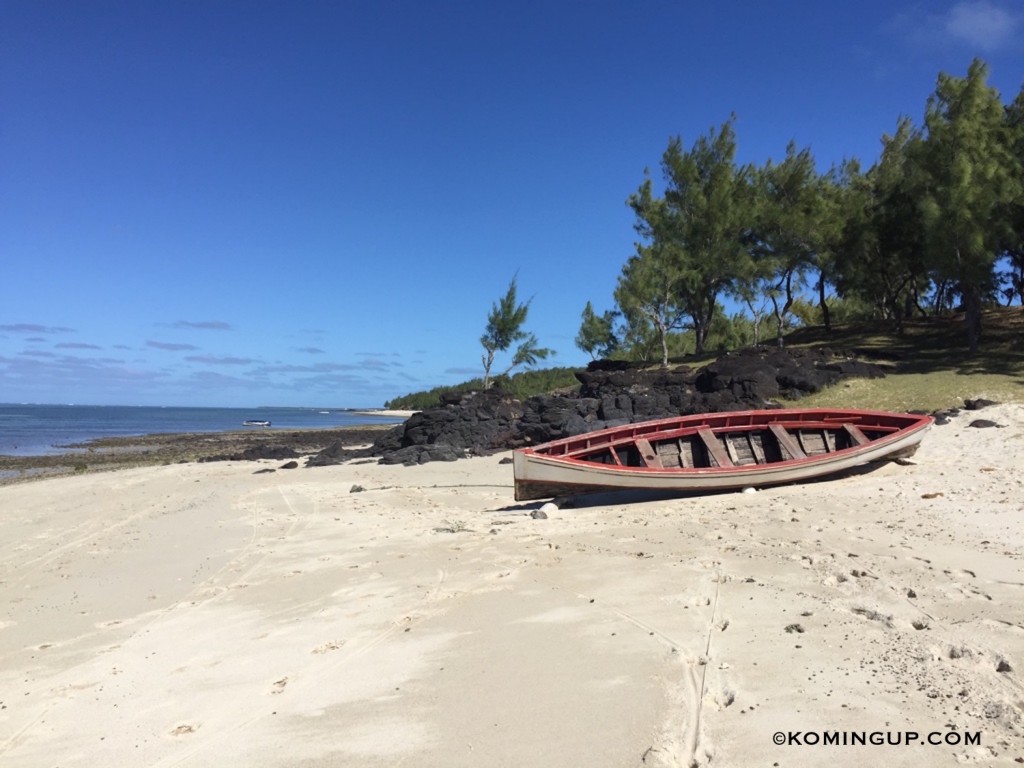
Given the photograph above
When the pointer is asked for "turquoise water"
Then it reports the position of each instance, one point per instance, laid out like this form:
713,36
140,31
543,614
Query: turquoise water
34,430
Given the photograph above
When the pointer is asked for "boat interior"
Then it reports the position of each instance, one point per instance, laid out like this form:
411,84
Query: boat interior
702,447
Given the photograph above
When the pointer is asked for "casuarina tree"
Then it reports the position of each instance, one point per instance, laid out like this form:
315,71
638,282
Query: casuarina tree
505,329
597,335
693,235
970,181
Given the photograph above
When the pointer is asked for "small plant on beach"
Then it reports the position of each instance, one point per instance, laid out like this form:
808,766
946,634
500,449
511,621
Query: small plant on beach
505,328
457,526
873,615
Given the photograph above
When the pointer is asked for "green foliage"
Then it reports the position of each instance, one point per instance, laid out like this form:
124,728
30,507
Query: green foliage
538,381
971,180
597,333
646,294
505,328
804,312
793,225
431,398
1013,277
880,252
849,310
726,332
730,332
521,385
926,224
638,339
694,239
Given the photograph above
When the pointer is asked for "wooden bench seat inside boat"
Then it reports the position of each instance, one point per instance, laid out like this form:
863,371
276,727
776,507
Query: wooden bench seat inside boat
705,448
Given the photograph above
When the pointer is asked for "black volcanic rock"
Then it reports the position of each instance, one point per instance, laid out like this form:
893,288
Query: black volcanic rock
335,453
983,424
977,405
256,452
421,454
611,393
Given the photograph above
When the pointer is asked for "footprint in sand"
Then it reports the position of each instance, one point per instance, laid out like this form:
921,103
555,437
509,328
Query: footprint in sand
331,646
724,698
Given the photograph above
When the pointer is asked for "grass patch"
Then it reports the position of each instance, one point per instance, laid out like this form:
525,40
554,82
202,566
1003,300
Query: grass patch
932,391
927,367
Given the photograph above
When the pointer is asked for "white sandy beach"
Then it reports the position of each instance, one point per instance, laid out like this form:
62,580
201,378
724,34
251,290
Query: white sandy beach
389,412
202,615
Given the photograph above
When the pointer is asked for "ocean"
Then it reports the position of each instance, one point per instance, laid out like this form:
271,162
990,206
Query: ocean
38,430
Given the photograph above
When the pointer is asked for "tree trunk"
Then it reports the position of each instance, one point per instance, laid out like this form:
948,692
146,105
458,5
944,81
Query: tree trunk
941,291
826,316
663,333
778,322
700,333
921,311
488,361
756,315
972,316
780,314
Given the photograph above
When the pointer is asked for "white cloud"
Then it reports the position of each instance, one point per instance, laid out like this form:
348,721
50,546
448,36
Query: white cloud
981,24
219,360
204,325
35,328
170,346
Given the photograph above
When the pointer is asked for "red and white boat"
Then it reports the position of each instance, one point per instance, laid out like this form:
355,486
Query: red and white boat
716,451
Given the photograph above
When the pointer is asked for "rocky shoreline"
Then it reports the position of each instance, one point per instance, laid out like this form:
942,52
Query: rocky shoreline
148,450
610,393
482,423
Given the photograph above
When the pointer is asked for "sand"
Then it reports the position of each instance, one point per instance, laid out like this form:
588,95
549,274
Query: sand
204,615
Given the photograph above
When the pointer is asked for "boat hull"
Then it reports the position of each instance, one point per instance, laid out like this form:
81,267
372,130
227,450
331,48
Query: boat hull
569,467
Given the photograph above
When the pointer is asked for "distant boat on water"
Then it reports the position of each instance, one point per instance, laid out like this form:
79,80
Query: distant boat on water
255,423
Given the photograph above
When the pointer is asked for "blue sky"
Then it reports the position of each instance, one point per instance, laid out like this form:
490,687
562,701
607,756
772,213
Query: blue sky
316,203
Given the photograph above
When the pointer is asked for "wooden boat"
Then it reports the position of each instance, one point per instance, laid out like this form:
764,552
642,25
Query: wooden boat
717,451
